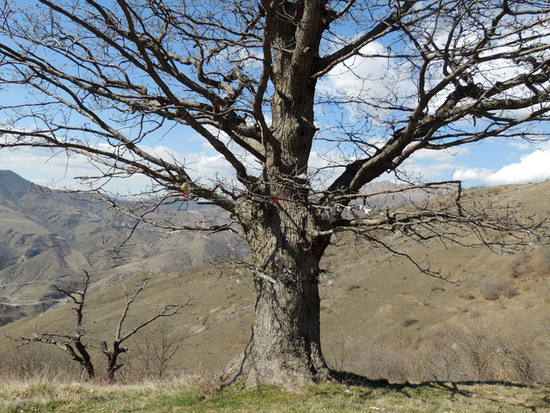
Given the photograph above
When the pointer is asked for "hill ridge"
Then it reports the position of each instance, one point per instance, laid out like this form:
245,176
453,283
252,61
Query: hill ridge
45,232
380,317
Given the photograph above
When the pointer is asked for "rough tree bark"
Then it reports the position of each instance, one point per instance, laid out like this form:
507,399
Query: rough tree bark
285,343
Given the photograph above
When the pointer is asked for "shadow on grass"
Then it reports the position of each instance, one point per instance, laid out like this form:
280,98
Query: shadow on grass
352,379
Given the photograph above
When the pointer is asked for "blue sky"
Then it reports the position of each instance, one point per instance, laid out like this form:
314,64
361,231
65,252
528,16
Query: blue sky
492,162
495,161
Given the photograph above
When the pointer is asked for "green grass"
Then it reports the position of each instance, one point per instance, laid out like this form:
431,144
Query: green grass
180,397
17,223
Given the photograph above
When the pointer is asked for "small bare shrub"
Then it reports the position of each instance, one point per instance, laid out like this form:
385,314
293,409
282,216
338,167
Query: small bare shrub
467,295
515,266
478,350
519,361
342,354
352,287
409,321
477,342
28,362
157,349
512,292
440,357
492,289
388,359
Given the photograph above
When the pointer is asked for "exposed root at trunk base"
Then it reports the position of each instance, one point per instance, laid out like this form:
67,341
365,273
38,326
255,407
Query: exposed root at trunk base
291,374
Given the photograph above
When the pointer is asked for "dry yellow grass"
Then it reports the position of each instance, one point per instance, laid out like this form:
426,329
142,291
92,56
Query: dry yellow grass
181,396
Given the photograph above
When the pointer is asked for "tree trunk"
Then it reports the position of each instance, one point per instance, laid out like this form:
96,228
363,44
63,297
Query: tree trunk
285,346
112,359
84,359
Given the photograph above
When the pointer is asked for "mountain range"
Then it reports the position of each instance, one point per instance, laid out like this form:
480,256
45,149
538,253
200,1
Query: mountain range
48,235
380,317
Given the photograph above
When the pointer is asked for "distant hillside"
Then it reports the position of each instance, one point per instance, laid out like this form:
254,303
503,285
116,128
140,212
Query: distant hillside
48,235
380,316
12,186
385,194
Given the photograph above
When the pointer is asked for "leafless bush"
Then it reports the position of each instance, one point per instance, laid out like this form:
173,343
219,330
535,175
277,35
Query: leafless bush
27,362
492,289
156,349
409,321
512,292
519,359
478,344
475,349
79,343
481,351
545,257
467,295
516,266
385,359
440,356
352,287
342,353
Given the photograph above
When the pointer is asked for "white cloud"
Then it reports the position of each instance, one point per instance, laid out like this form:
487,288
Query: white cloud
433,165
534,167
324,166
368,77
359,74
441,155
204,168
48,168
60,170
471,174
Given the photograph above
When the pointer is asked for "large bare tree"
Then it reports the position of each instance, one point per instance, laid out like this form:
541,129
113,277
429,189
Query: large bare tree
104,79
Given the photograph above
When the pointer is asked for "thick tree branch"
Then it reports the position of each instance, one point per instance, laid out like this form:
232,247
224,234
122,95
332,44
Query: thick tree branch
327,63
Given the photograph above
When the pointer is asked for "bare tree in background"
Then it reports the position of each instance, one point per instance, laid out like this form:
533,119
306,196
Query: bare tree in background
79,343
116,349
76,344
107,81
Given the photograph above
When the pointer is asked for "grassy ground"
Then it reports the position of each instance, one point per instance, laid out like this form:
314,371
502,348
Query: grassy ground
181,397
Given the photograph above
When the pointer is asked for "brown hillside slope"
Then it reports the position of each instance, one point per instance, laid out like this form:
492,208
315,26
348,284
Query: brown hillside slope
380,316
